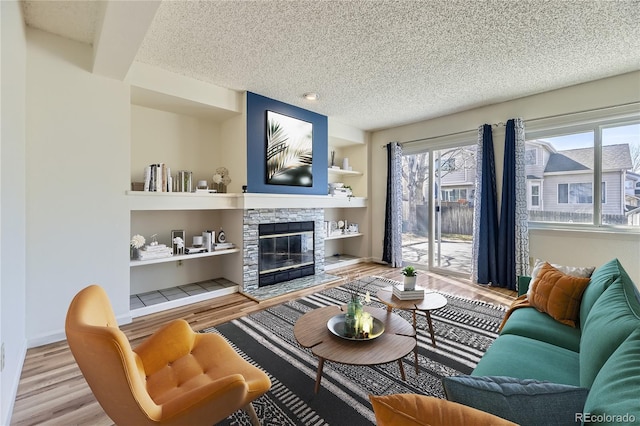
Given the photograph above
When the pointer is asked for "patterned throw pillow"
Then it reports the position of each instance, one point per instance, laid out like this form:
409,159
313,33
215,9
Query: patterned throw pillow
558,294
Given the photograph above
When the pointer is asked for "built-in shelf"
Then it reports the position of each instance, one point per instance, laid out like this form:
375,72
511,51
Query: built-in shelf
343,172
171,304
340,261
142,200
176,258
340,236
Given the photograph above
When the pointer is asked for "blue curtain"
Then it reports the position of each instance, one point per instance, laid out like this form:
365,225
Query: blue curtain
392,250
513,234
485,229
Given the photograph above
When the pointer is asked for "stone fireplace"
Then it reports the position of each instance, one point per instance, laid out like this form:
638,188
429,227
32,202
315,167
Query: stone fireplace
282,229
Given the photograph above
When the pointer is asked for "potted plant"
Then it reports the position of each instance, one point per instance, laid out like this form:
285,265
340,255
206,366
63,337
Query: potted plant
409,279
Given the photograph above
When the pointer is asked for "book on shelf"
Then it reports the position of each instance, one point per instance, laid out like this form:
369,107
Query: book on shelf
155,248
194,250
224,246
157,178
402,294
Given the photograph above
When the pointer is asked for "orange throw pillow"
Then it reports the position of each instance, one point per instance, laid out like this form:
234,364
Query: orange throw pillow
558,294
422,410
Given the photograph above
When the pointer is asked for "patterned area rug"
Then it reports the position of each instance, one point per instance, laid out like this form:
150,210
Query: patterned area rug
464,330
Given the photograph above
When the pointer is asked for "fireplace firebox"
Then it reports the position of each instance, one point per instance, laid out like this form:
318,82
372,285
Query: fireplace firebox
286,252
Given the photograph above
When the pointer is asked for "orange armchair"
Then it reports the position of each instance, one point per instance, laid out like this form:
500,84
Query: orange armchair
175,377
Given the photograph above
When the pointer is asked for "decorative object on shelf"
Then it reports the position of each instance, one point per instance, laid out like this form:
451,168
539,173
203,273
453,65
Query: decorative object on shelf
177,238
197,241
202,186
154,251
183,181
409,278
136,243
244,189
222,237
289,151
208,239
221,179
345,163
333,158
353,228
333,228
194,250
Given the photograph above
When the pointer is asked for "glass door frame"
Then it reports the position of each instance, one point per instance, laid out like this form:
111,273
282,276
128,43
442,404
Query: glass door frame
432,203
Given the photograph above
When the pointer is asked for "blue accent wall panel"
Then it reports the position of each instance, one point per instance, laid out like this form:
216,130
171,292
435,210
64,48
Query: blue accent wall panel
257,107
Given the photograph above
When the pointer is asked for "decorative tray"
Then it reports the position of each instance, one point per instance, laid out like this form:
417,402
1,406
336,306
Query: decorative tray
336,325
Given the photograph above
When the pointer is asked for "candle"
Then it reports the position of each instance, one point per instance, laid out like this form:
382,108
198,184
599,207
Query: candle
367,324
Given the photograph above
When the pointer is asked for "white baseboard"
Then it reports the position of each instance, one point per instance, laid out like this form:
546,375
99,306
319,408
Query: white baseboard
15,382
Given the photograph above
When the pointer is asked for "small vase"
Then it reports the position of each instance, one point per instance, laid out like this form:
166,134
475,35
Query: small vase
352,319
409,283
133,253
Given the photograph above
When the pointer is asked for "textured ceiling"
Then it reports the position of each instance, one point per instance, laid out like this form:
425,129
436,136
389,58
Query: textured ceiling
378,64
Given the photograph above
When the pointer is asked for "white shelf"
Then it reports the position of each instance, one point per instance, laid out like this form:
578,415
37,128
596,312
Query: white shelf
342,172
336,262
141,200
177,258
338,237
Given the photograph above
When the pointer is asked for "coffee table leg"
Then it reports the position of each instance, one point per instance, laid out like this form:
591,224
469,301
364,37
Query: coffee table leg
433,338
319,374
404,377
415,350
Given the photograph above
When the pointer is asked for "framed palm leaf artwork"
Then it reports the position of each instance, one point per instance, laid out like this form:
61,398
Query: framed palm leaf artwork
289,150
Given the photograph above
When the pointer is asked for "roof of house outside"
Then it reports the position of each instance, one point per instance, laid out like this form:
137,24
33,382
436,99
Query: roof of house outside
614,157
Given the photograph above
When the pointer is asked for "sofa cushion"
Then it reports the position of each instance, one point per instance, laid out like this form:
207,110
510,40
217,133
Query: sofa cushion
526,358
558,294
422,410
523,401
575,271
615,390
600,280
529,322
614,316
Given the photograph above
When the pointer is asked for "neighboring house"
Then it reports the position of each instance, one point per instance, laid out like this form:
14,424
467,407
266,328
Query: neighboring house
559,183
562,181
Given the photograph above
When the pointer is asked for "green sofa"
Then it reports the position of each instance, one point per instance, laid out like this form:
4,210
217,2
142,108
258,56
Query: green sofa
539,371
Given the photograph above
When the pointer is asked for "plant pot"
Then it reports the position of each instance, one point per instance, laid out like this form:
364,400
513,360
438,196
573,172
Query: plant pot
409,283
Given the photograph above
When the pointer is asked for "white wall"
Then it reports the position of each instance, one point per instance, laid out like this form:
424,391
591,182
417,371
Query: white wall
78,151
12,204
598,249
180,141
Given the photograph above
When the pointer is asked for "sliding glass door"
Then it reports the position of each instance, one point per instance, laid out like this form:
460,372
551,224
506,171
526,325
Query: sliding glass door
438,196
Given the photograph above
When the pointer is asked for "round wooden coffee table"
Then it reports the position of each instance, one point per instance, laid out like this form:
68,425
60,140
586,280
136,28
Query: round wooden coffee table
430,302
395,343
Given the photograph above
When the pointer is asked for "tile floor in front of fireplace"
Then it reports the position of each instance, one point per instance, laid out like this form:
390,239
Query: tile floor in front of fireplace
142,300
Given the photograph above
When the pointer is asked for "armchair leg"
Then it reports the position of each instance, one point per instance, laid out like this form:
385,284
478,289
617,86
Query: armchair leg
252,414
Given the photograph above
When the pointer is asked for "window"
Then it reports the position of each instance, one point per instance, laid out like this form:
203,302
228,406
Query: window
454,195
569,160
534,198
530,157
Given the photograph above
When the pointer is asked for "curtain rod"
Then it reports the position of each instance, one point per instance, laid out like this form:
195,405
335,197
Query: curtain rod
500,123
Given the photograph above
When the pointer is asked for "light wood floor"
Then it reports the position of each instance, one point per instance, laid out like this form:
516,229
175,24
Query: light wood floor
52,390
